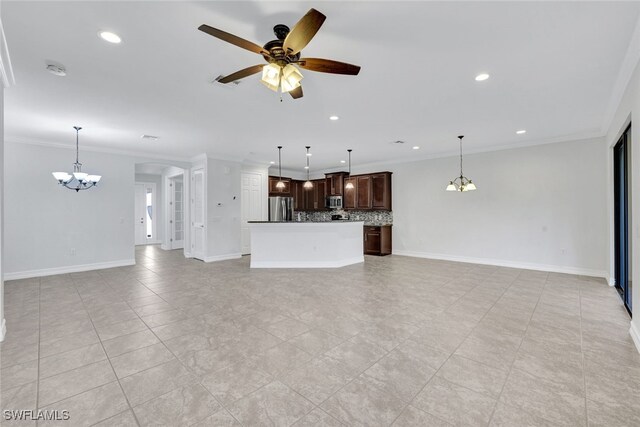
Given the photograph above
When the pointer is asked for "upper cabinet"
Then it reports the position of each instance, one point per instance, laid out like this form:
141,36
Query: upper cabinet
273,191
381,191
335,183
350,197
370,191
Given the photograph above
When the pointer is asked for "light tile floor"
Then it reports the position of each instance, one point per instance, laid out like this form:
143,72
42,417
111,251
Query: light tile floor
396,341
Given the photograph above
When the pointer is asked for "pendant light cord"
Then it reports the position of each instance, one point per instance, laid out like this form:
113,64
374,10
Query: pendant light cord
308,163
349,150
280,161
460,137
77,128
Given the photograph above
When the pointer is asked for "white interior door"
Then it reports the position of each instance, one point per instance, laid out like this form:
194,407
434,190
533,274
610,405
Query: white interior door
198,230
251,205
145,211
177,212
139,219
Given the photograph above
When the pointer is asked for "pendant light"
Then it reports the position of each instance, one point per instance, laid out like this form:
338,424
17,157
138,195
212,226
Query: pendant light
308,185
84,181
280,184
349,185
461,183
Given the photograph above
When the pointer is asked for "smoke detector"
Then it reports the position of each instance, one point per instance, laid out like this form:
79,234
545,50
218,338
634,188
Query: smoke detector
149,137
57,70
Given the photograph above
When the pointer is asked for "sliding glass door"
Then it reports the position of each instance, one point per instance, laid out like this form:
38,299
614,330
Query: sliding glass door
622,205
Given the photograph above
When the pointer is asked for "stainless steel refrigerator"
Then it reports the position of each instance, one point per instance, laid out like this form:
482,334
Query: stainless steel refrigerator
280,208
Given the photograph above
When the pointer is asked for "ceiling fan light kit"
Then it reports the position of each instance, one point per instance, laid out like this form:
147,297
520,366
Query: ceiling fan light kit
283,55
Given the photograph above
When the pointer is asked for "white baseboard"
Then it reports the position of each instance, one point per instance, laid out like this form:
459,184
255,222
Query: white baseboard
224,257
307,264
611,281
165,247
635,335
505,263
3,330
68,269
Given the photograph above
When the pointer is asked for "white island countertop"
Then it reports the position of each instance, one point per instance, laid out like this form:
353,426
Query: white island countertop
306,244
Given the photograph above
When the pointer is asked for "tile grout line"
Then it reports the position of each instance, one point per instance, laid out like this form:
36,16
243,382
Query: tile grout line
584,368
467,336
198,377
135,417
39,329
520,345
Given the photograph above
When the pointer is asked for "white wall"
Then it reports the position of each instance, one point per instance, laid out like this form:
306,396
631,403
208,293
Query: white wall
158,209
2,268
627,109
223,209
541,207
44,221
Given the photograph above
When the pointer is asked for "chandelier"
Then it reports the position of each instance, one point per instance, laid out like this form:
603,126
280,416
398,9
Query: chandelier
461,183
285,78
78,180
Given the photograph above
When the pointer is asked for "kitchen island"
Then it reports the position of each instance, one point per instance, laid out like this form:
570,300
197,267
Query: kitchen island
306,244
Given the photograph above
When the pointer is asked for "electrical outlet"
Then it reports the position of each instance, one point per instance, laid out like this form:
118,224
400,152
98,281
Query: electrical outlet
72,251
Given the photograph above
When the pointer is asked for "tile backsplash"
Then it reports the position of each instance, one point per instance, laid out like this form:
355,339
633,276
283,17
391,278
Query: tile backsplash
369,217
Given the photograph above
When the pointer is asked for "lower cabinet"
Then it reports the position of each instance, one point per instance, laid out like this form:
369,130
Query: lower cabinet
377,240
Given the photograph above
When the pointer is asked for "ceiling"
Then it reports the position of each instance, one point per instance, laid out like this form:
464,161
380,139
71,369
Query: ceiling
553,67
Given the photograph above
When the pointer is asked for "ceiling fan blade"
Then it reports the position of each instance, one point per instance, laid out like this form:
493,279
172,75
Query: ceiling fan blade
328,66
296,93
246,72
235,40
303,32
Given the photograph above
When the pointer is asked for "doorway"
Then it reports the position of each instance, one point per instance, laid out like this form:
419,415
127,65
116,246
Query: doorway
176,212
198,214
251,201
622,203
145,210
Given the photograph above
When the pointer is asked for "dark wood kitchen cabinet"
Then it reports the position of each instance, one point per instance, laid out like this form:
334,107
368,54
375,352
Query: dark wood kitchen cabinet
350,194
335,183
381,191
363,191
377,240
314,197
273,191
298,193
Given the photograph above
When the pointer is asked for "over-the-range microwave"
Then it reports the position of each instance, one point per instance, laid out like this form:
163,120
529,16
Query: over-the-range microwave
333,202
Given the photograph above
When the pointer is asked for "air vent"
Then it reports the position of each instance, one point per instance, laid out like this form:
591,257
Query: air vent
217,79
398,142
149,137
57,70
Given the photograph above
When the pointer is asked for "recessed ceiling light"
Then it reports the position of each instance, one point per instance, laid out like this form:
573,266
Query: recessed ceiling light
273,163
109,37
520,132
334,118
482,77
415,147
149,137
343,161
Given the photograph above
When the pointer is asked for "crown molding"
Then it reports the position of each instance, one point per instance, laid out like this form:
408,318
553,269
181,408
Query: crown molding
589,136
629,64
139,155
6,70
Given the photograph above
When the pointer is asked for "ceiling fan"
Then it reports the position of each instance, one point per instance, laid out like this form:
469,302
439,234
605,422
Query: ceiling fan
283,55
